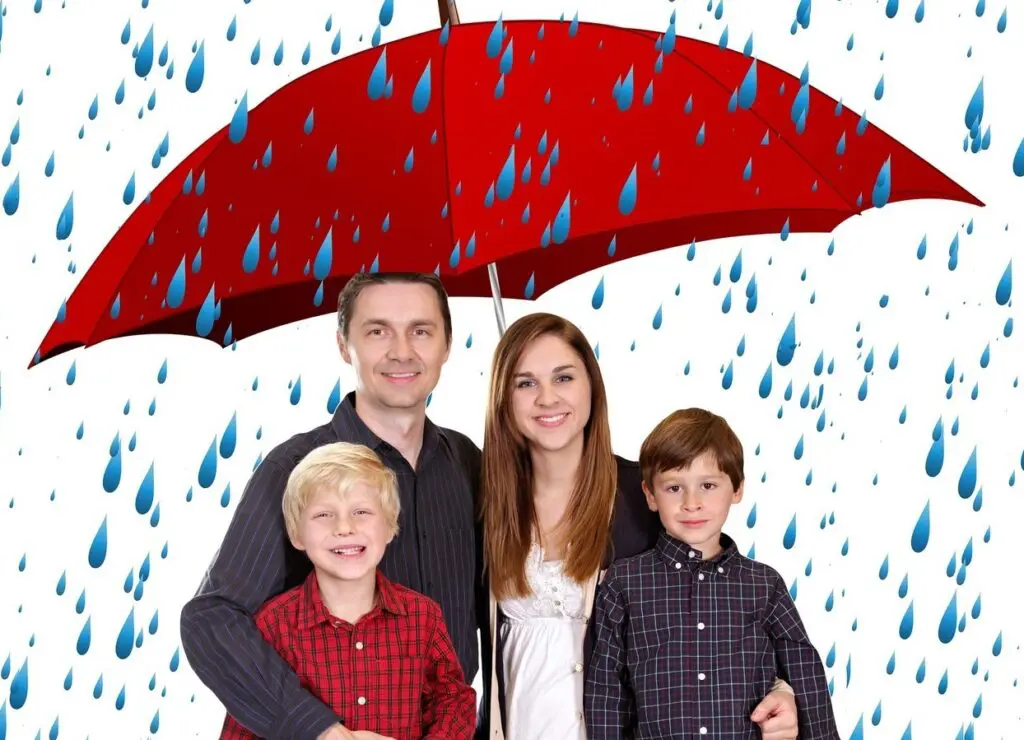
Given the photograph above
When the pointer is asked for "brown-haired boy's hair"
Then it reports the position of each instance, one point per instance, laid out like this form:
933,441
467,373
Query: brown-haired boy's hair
348,295
683,436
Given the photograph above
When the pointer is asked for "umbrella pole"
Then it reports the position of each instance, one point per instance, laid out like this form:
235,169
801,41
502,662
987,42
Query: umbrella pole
448,12
499,312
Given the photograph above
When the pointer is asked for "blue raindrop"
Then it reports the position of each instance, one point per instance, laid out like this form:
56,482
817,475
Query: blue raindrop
421,93
789,539
787,344
969,476
627,196
1005,286
240,120
947,625
66,220
208,468
144,497
84,638
98,548
907,623
126,638
324,256
922,530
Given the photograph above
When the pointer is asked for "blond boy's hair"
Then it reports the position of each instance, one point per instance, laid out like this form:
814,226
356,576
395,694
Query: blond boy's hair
338,467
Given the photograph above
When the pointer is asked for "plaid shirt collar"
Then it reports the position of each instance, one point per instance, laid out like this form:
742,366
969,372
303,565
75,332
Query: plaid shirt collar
674,552
312,611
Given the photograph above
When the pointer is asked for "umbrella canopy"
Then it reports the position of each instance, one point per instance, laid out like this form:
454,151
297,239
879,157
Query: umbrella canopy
548,148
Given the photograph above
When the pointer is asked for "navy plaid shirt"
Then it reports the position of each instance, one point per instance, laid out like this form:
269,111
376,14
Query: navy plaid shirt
687,647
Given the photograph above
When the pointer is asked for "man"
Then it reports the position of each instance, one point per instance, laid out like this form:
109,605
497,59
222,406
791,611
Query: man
395,330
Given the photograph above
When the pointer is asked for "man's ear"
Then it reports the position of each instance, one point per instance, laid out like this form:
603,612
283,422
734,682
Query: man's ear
343,347
738,495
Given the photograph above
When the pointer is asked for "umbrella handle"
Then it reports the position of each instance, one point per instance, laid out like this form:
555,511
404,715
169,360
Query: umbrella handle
448,12
499,312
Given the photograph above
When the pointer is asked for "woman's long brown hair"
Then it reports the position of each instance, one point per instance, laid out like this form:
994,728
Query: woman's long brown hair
509,516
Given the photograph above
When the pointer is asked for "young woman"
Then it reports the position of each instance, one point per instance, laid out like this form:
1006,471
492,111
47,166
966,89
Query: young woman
558,507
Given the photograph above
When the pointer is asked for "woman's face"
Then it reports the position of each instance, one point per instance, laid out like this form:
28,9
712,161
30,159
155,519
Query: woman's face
551,394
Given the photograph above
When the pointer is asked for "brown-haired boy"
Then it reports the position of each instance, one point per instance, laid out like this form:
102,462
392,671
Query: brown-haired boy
691,634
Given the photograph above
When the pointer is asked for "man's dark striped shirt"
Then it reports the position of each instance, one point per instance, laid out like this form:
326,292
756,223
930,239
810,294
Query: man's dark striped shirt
435,553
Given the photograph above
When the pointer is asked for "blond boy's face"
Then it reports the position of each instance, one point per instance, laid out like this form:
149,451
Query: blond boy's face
693,503
344,535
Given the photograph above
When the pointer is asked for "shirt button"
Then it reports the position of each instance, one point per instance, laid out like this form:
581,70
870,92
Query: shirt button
700,625
703,730
578,668
700,576
361,700
701,676
678,566
721,569
359,646
693,554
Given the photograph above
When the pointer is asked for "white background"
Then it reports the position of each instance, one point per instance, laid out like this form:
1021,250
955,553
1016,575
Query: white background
929,79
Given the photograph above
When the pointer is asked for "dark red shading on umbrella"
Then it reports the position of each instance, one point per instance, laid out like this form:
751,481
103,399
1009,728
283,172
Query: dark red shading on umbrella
561,116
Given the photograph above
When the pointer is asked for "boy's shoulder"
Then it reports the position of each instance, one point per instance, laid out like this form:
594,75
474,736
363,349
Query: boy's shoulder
756,570
280,609
415,603
635,566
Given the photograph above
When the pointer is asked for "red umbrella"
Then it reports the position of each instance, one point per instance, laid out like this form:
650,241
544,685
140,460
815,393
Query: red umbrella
550,148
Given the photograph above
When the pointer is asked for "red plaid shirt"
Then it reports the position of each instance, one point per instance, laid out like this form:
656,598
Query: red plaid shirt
394,672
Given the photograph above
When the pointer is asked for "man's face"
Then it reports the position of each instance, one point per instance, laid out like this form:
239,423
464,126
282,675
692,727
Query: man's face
396,344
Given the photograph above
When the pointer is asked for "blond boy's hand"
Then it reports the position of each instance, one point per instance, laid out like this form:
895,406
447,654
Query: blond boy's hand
340,732
335,732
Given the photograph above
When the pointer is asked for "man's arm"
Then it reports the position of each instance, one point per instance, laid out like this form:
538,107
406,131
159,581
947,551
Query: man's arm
220,638
449,711
608,701
800,664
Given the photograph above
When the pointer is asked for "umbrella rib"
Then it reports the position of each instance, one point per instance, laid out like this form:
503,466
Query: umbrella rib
778,133
444,147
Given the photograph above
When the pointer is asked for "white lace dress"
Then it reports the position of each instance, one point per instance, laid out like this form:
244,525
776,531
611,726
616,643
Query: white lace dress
543,655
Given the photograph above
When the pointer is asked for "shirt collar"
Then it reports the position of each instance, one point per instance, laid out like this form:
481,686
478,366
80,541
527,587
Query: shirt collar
350,427
674,551
313,611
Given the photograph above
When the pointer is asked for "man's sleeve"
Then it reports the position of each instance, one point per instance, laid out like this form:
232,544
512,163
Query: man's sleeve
219,636
608,701
799,663
472,458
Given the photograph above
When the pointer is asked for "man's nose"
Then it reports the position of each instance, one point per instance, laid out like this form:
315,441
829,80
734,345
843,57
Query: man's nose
401,347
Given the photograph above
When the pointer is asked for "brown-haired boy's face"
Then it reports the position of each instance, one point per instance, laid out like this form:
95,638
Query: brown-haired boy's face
693,503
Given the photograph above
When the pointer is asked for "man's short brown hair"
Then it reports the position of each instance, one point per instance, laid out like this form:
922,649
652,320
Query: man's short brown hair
359,281
683,436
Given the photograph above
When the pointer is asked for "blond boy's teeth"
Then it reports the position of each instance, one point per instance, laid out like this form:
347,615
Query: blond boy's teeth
355,550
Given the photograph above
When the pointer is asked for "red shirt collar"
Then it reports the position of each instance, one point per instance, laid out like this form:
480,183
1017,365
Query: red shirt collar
313,611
